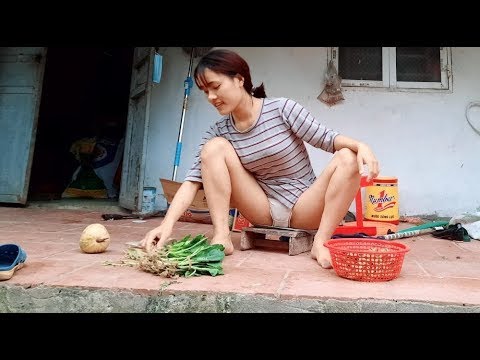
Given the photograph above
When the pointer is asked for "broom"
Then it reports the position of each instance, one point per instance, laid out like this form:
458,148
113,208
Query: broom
187,84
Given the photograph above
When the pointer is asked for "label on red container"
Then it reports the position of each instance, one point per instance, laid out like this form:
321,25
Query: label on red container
382,203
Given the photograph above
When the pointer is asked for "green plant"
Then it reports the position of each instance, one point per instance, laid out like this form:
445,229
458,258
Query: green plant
186,257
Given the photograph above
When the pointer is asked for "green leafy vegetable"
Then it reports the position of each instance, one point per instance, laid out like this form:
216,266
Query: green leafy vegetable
186,257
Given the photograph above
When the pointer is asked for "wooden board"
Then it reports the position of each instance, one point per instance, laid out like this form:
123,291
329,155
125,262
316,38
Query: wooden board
170,188
295,240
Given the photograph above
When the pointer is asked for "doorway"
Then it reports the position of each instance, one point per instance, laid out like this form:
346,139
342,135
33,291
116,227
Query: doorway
84,102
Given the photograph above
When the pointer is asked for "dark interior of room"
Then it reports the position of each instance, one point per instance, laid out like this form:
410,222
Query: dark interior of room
83,90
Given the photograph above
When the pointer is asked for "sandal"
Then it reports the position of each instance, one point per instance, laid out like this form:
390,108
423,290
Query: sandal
453,232
12,258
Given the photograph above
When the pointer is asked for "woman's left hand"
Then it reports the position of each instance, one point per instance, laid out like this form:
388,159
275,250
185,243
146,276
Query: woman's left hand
365,156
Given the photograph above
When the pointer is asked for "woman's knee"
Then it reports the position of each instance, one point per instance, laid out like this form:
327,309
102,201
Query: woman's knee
347,159
214,147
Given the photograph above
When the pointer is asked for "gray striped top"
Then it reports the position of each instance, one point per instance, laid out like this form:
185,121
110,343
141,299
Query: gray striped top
273,148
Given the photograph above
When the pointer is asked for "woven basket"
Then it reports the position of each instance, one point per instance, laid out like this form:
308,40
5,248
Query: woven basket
366,259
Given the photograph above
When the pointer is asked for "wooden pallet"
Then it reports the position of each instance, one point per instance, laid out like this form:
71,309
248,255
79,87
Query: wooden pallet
296,241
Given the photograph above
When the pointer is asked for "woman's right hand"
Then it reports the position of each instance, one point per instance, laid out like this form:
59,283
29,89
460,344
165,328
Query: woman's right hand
156,238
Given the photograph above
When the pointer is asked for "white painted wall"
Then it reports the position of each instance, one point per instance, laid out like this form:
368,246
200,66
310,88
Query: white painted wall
423,139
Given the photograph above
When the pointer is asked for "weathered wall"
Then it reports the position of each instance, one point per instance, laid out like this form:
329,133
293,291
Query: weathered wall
421,138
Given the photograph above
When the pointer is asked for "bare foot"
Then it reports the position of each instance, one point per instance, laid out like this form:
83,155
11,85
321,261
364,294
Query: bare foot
226,242
321,254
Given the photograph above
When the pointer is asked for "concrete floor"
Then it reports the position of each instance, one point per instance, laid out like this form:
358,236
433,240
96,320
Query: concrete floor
437,275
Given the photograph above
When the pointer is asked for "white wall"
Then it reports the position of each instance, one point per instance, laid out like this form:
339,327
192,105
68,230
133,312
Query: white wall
423,139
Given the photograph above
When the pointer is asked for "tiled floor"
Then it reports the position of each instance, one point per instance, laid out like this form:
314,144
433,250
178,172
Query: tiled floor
435,271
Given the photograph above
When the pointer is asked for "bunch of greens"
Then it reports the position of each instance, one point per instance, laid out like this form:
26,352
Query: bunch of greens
186,257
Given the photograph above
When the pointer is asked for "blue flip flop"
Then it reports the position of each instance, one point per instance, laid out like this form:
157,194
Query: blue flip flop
12,258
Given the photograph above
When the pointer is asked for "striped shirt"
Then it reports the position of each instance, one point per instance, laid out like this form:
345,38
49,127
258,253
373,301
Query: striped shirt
273,149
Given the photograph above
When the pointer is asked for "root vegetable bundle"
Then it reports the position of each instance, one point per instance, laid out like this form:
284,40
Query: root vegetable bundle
186,257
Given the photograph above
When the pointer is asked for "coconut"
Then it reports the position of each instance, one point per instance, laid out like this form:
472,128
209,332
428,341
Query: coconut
94,239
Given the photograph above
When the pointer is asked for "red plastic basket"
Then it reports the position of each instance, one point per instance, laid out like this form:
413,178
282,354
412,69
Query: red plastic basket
366,259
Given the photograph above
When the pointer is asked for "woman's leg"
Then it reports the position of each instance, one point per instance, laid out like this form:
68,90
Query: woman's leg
326,202
226,182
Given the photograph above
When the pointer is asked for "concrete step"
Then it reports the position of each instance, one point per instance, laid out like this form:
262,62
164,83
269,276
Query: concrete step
100,205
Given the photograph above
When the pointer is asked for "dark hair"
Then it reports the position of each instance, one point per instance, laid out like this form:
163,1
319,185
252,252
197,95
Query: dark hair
228,63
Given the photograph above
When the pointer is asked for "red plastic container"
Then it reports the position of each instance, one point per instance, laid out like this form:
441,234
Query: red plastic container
360,228
367,259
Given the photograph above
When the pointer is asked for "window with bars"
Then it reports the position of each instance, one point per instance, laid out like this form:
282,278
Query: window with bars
427,68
